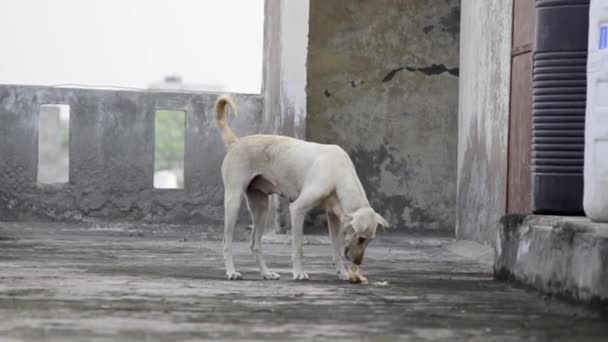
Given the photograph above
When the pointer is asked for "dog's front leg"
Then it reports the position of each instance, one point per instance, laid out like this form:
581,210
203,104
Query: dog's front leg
333,225
298,211
297,232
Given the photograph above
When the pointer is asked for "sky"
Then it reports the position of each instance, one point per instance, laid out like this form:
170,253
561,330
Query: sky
132,43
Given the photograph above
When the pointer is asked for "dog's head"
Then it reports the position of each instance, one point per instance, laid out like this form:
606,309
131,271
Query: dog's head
358,229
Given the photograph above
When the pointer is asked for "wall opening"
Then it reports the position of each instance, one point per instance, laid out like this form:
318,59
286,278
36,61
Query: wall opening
54,144
169,145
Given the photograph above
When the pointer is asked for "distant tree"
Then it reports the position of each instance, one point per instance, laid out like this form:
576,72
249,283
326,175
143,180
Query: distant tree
170,127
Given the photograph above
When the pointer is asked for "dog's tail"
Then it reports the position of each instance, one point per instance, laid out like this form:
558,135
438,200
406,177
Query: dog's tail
221,119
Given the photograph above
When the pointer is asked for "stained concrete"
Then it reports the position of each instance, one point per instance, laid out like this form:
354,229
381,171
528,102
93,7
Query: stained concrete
112,156
485,55
564,256
383,84
124,283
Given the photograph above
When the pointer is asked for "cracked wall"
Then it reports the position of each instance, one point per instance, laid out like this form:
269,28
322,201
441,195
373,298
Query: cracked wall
383,84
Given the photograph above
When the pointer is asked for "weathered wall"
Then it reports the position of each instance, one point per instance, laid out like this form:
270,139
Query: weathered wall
112,156
485,55
383,84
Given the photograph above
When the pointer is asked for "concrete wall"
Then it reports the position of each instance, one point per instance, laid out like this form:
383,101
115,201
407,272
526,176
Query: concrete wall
112,140
112,156
485,52
383,84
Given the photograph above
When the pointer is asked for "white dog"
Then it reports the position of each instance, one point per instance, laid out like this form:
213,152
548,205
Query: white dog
308,175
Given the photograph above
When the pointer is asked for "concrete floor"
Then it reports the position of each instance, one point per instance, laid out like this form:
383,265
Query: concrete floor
112,284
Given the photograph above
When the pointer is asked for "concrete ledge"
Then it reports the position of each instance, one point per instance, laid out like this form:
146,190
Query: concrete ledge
562,256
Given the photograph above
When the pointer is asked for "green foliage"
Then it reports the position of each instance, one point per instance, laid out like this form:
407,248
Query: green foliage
65,137
170,127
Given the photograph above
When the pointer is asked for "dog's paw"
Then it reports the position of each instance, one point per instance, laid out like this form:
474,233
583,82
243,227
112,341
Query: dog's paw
343,275
356,277
300,276
271,276
234,276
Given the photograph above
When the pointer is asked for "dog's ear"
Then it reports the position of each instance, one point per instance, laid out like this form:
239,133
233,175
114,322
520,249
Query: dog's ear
381,221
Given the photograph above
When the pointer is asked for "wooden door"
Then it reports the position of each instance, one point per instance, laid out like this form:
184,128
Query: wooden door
519,190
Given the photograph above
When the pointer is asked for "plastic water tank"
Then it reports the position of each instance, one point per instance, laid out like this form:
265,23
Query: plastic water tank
596,127
558,127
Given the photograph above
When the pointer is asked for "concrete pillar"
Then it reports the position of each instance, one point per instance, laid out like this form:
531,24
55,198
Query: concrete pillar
485,69
284,83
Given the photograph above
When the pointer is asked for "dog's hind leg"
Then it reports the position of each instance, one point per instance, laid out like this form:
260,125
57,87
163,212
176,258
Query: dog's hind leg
333,225
259,204
232,205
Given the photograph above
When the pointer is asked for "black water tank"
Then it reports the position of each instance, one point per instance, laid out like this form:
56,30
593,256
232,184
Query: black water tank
560,88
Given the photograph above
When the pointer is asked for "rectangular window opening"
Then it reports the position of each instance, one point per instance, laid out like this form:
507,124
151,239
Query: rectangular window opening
54,144
169,144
